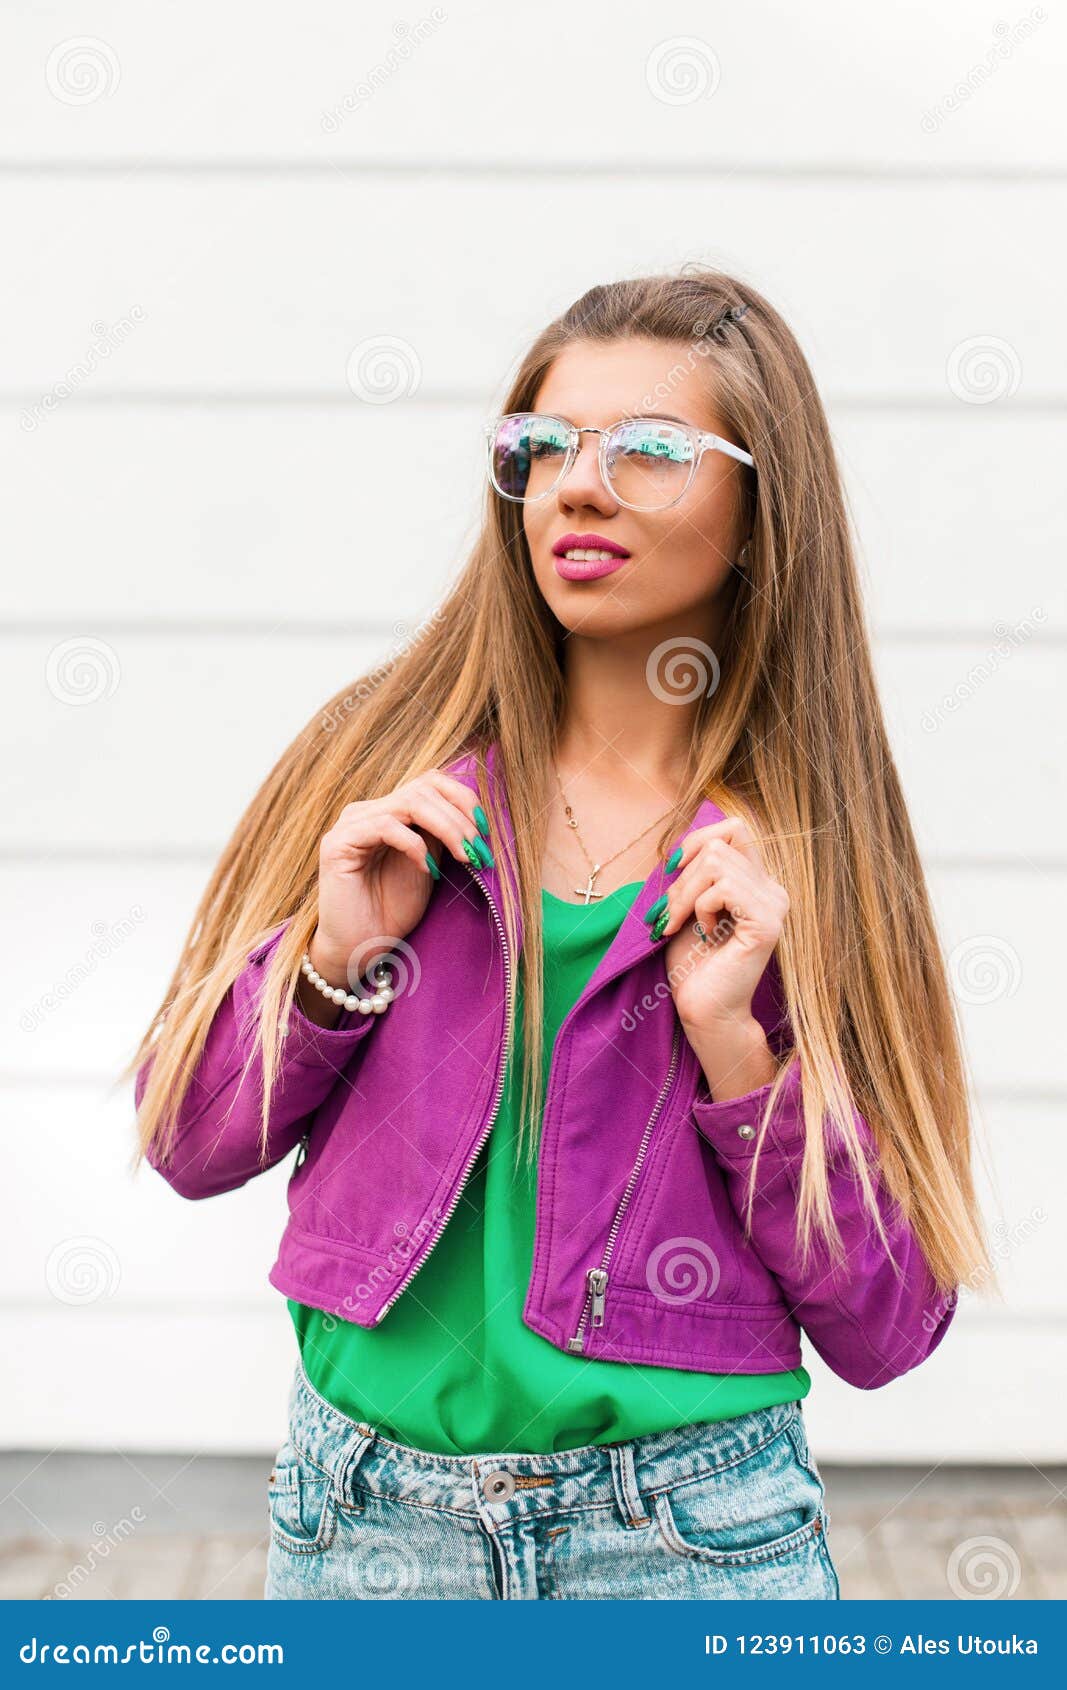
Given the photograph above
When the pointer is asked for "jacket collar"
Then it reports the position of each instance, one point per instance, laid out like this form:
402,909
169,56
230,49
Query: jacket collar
630,943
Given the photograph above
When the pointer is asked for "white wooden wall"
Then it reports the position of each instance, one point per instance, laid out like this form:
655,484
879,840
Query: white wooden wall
207,210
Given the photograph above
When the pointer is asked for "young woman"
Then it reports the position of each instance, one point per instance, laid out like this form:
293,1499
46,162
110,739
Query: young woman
585,953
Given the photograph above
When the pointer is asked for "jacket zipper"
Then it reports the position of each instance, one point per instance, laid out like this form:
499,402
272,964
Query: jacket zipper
492,1113
596,1279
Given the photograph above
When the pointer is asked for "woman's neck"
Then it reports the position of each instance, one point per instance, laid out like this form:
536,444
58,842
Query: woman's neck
623,718
622,756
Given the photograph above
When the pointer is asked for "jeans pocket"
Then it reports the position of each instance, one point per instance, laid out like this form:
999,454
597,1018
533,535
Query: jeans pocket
303,1517
798,1432
764,1507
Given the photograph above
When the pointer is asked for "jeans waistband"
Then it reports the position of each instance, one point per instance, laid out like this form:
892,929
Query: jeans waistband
359,1460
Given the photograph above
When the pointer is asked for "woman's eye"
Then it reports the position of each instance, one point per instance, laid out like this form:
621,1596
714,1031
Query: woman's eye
546,448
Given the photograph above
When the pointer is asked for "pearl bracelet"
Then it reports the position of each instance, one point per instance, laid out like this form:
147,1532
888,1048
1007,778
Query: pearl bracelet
377,1004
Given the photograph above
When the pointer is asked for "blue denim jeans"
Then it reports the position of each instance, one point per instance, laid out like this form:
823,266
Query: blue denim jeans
731,1509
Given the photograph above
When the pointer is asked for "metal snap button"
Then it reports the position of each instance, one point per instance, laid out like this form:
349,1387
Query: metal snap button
746,1131
498,1486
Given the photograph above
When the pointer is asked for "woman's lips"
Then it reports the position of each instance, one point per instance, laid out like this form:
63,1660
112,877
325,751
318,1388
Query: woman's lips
588,569
585,557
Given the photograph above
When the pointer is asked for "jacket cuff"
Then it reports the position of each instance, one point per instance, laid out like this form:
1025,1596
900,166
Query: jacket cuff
732,1127
305,1040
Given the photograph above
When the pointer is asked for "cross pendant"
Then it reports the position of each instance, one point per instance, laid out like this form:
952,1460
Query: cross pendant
586,892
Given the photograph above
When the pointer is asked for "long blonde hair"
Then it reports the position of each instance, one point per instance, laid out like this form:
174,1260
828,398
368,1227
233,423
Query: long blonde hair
792,738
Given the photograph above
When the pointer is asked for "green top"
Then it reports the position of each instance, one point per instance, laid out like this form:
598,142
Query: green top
452,1369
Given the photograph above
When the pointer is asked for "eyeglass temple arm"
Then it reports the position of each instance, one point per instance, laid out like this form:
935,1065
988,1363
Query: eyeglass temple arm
712,443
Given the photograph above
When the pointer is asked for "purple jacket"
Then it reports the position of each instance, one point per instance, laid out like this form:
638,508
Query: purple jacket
639,1253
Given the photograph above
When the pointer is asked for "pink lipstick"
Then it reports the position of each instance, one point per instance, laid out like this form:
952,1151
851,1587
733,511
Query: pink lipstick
585,557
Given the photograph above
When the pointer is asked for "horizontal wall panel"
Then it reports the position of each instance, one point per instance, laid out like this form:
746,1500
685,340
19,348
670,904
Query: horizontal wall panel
761,86
254,514
218,1381
272,285
251,513
97,942
143,741
107,1236
972,727
158,1379
985,1395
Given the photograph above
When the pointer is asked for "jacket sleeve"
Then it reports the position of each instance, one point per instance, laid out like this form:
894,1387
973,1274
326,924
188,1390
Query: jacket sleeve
217,1144
869,1322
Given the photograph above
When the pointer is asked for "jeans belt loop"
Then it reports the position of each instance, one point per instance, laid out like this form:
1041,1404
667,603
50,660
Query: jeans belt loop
631,1508
347,1465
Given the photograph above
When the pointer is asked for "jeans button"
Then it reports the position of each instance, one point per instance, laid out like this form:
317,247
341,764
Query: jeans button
498,1486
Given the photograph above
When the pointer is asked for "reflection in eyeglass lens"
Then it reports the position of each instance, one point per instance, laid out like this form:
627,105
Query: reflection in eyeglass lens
649,463
528,454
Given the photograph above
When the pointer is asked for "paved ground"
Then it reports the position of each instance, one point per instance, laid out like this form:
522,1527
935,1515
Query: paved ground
106,1527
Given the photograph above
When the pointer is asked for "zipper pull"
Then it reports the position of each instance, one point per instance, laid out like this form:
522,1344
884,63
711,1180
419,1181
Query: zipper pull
596,1283
597,1280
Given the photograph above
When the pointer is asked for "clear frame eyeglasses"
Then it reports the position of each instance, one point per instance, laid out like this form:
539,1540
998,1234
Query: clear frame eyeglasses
647,463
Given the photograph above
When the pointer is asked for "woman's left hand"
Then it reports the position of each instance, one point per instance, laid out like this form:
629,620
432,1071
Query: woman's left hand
722,884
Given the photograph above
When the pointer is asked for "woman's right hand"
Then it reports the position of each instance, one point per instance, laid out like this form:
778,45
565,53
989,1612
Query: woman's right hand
374,878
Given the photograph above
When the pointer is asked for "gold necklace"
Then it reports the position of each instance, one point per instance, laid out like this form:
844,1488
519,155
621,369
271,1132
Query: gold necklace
586,892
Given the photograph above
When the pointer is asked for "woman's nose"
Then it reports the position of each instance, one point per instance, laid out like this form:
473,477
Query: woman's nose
584,485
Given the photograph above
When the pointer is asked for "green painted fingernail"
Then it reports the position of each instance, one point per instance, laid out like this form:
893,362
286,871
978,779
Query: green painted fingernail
674,859
654,911
432,866
657,931
485,855
471,854
481,820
